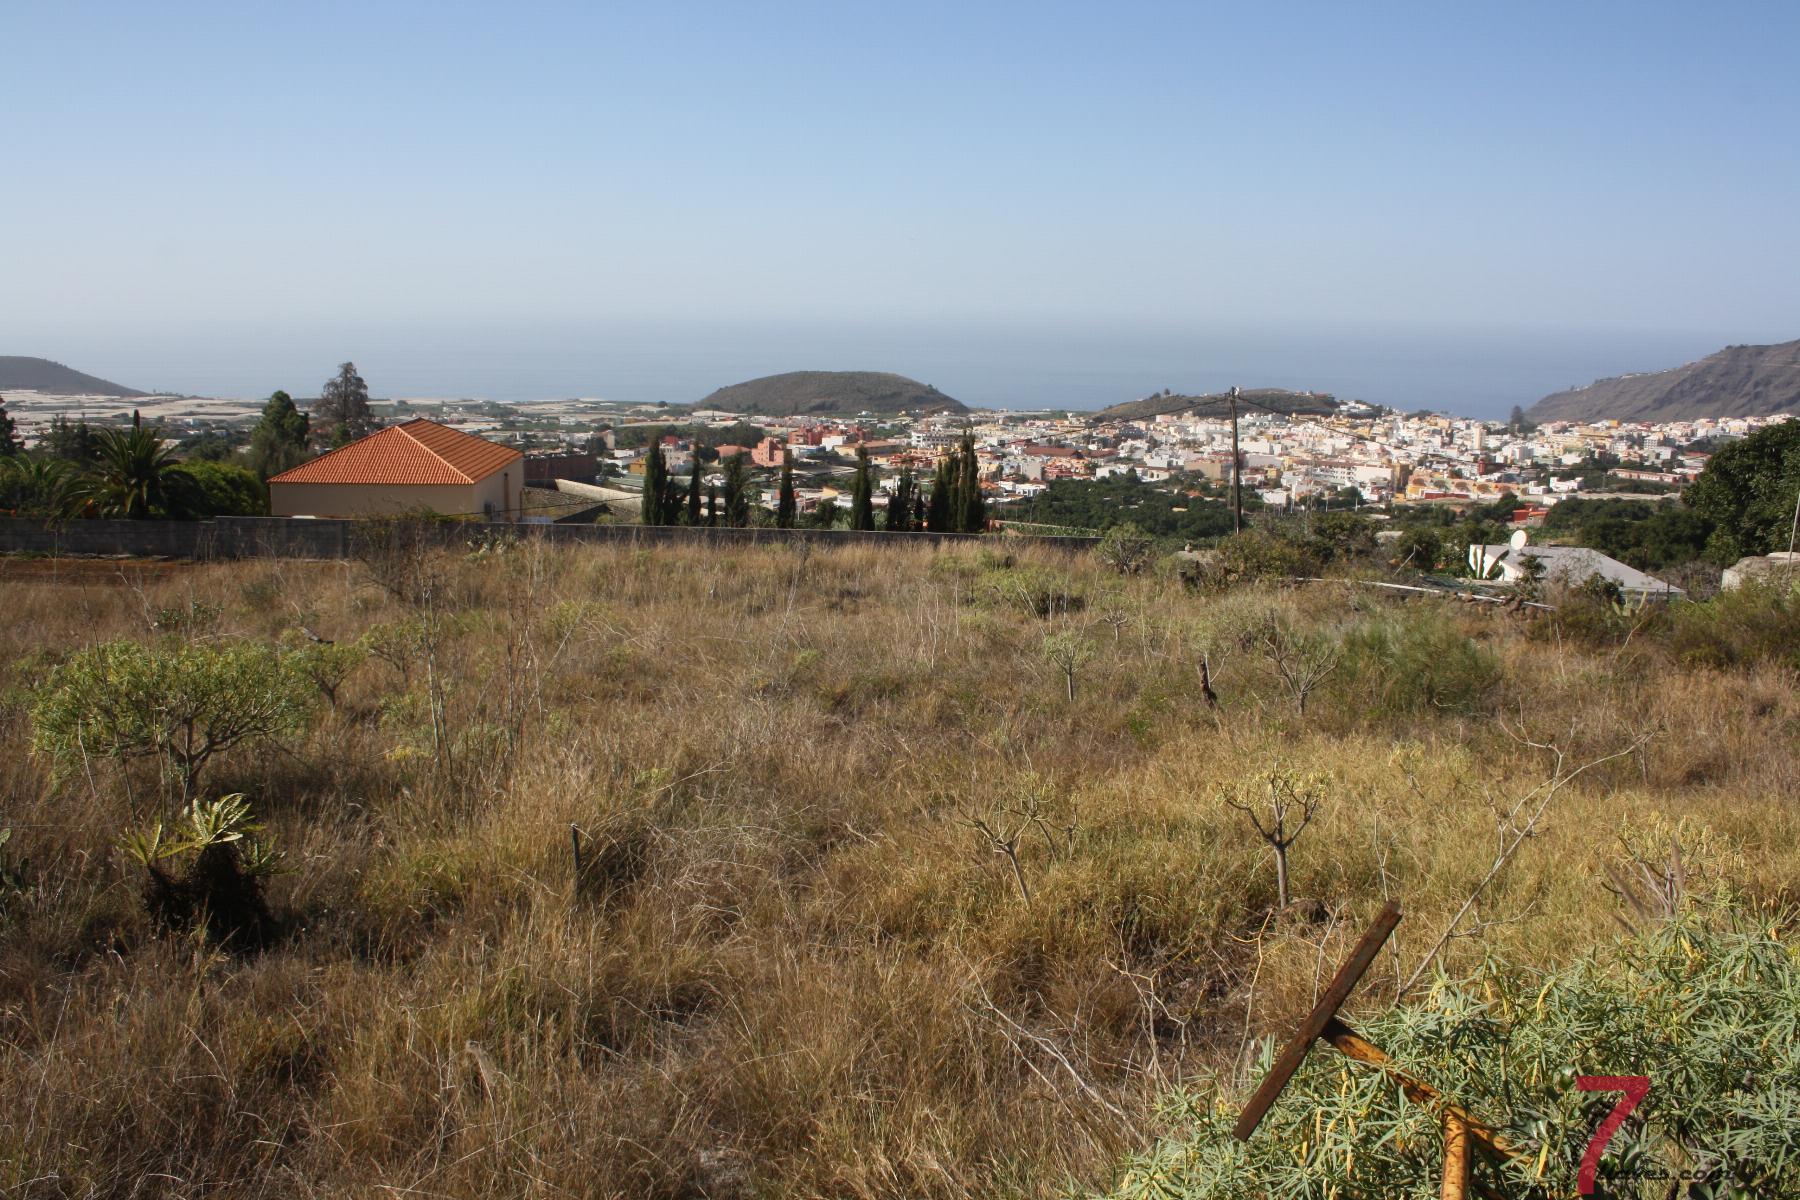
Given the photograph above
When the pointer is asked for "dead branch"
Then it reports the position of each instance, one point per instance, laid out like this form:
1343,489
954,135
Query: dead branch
1514,832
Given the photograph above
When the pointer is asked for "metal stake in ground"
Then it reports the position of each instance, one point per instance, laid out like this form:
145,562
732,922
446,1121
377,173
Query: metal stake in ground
1461,1130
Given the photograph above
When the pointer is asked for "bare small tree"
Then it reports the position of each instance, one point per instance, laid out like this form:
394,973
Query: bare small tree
1069,651
1012,822
1118,617
1004,841
1301,661
1290,805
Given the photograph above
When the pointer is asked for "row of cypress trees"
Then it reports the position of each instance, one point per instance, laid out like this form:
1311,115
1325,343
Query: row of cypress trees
665,502
954,503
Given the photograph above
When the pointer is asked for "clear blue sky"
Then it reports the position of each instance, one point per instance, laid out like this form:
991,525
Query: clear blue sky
183,174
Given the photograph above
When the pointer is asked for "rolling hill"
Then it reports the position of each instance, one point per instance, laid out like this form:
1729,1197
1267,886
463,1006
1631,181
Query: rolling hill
831,394
1738,381
1218,404
19,374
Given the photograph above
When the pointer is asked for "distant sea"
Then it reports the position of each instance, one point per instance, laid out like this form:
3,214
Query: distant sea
1478,374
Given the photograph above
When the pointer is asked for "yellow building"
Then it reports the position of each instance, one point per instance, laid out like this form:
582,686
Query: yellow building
405,468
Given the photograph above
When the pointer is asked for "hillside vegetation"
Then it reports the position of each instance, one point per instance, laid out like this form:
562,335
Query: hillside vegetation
831,394
53,379
742,872
1218,404
1738,381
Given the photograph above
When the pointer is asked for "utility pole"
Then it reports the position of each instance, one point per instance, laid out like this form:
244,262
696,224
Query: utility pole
1237,496
1793,530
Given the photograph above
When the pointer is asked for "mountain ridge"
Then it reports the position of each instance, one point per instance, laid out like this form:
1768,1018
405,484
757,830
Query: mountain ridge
19,373
1738,381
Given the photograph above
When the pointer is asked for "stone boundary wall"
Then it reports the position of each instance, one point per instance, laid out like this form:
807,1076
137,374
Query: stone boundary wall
284,537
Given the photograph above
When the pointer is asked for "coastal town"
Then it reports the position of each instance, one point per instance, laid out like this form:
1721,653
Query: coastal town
1349,454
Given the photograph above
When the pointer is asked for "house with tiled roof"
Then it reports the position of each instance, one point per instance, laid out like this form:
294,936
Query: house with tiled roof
419,465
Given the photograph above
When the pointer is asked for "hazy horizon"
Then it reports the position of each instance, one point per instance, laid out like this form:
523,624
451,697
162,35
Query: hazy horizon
1477,374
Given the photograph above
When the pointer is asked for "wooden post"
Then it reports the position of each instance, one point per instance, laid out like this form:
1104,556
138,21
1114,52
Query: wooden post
1351,1045
1237,497
1323,1013
1457,1167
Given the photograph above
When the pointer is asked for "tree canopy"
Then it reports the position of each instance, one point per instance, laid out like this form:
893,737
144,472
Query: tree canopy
343,408
1100,504
1646,534
279,440
10,443
1748,491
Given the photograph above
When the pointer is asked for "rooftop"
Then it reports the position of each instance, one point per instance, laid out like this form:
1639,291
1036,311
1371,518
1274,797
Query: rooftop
417,452
1574,565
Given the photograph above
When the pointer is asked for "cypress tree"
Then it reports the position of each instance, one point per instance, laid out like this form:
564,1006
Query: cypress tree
899,512
937,505
825,516
656,486
918,512
786,506
862,498
971,509
693,492
737,492
712,506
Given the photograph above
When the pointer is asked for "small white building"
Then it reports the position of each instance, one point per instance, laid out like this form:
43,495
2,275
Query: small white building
1568,565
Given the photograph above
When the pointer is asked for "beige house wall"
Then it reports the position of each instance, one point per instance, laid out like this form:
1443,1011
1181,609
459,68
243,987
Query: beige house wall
499,493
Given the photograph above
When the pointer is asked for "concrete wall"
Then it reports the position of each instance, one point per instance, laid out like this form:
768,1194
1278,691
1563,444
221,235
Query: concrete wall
498,493
277,537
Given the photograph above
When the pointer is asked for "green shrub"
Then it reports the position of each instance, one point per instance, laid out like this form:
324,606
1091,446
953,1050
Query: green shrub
1754,624
1260,554
1706,1010
1125,549
1338,536
1419,549
1037,591
182,704
1417,662
1598,614
224,490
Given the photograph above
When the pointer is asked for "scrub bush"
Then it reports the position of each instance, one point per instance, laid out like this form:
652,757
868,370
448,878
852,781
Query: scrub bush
1706,1006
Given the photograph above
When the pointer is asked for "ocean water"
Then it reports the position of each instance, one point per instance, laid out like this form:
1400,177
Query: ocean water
1478,373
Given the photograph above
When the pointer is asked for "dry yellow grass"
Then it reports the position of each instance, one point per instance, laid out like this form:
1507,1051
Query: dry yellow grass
794,967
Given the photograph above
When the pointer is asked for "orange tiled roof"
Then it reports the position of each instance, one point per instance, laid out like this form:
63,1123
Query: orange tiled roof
419,451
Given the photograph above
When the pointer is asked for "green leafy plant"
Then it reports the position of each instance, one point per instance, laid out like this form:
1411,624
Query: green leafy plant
327,664
206,871
136,476
182,704
1707,1006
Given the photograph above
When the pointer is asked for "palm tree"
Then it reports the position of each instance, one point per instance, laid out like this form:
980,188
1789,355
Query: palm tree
37,487
135,475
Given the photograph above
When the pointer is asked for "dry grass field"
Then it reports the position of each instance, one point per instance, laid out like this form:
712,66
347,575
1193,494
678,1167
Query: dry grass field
867,905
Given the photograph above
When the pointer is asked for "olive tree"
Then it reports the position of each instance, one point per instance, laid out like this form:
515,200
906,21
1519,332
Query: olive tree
181,704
